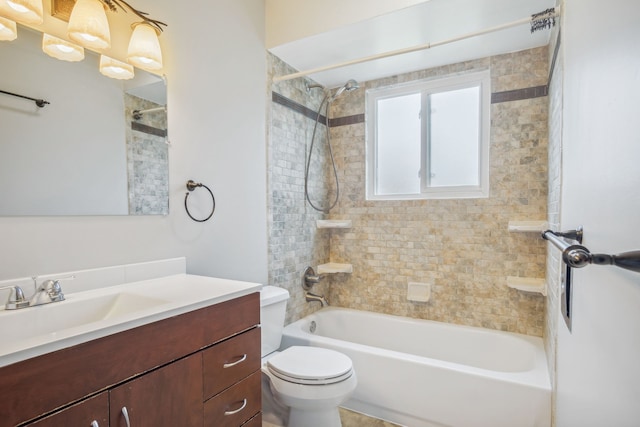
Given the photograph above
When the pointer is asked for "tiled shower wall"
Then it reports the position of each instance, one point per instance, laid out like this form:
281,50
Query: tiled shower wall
147,159
294,241
462,248
554,256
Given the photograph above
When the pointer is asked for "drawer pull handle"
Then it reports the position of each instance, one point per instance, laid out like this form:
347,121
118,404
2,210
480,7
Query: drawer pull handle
244,405
229,365
125,413
94,423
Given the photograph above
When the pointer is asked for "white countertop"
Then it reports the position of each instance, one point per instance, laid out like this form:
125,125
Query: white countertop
88,315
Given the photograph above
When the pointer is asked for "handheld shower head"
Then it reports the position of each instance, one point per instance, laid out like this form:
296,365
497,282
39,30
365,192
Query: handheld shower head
348,86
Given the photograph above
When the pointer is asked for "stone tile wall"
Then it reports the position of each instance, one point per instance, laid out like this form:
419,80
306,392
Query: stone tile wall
461,247
554,256
147,161
294,241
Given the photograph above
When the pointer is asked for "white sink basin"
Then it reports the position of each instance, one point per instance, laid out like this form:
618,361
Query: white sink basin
88,315
73,312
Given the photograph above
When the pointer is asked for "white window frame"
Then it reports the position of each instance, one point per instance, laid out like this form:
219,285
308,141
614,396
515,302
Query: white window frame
480,79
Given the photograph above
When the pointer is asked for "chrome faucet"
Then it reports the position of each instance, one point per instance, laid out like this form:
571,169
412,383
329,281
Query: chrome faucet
320,298
48,292
16,298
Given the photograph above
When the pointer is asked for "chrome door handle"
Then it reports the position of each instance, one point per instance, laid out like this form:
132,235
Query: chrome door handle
244,404
125,413
229,365
94,423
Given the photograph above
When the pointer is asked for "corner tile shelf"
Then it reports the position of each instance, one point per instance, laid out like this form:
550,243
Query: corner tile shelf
528,284
333,223
528,226
334,267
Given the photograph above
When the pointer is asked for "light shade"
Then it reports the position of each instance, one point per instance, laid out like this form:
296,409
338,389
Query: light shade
25,11
8,30
115,69
88,25
144,48
61,49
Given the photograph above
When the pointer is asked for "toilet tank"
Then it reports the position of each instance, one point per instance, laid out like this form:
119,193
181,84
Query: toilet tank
273,307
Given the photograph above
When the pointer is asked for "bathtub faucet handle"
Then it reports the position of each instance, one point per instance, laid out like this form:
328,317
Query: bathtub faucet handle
310,278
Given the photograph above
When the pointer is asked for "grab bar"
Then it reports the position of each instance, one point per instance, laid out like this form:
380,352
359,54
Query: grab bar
577,256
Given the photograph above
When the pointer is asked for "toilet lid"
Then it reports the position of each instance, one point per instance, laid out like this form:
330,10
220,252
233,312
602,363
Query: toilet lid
310,365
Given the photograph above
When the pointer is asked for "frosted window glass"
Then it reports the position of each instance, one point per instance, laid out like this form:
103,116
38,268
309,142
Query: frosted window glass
429,139
398,145
453,140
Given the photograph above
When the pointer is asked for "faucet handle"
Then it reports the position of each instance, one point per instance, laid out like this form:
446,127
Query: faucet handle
16,298
53,288
309,278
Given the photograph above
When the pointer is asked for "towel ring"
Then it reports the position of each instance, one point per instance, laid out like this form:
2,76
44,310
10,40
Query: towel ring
192,185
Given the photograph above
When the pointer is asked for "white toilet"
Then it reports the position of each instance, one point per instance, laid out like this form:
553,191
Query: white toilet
310,381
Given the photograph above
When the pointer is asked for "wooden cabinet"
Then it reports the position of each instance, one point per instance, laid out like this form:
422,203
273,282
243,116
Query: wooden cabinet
170,396
92,412
232,381
164,374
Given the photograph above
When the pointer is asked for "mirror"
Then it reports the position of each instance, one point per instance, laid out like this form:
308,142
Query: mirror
84,153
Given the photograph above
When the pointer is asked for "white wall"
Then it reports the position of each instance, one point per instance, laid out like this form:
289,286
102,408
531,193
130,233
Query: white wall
598,382
314,17
216,67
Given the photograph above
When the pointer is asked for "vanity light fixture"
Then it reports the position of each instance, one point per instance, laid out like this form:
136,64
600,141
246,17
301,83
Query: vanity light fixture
144,47
61,49
88,25
25,11
115,69
8,30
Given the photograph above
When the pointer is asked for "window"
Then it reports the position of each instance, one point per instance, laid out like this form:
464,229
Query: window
429,139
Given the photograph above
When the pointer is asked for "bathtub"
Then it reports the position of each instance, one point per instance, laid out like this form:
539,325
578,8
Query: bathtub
422,373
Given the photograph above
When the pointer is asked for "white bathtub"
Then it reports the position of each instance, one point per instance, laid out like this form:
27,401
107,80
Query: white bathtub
423,373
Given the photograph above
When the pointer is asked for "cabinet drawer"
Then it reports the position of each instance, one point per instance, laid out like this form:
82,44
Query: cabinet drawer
94,409
230,361
235,405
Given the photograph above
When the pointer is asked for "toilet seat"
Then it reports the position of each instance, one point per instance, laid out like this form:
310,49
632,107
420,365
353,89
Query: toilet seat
310,366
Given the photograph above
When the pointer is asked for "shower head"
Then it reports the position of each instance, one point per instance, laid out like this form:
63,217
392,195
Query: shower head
348,86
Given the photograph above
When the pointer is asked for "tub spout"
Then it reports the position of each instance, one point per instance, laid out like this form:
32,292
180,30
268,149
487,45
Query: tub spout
320,298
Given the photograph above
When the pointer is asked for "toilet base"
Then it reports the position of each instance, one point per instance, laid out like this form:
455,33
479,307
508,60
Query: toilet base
326,418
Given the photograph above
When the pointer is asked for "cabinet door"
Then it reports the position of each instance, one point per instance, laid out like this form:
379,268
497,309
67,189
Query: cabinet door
93,412
169,396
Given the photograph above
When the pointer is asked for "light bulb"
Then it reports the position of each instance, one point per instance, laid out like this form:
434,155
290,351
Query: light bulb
8,30
61,49
88,25
115,69
144,47
25,11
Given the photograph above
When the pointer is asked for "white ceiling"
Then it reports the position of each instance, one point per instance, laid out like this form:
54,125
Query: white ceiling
428,22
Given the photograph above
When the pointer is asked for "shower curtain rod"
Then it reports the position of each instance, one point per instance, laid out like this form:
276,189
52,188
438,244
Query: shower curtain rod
151,110
530,19
137,114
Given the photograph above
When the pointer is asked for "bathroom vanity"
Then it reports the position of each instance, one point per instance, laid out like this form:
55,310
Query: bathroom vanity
182,364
